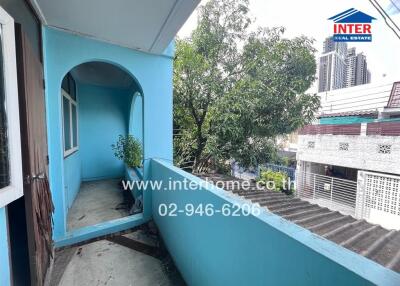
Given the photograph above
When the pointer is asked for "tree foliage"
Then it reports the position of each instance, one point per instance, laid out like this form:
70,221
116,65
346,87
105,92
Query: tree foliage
235,91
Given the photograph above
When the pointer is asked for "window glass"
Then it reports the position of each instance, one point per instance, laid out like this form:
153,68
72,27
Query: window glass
72,87
68,84
74,126
67,124
65,84
70,115
4,154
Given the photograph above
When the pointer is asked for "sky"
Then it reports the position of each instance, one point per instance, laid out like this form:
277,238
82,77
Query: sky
309,18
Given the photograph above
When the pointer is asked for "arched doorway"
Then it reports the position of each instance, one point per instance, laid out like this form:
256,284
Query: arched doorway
98,102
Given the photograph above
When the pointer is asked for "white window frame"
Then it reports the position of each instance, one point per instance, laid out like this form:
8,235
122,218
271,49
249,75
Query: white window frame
71,129
15,189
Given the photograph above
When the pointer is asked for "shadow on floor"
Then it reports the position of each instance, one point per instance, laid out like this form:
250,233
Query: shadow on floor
135,258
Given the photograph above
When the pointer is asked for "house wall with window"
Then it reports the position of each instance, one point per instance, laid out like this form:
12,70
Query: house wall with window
153,73
357,134
72,162
102,114
375,146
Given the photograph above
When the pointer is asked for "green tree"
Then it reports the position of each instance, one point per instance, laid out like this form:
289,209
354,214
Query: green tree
269,100
206,67
232,102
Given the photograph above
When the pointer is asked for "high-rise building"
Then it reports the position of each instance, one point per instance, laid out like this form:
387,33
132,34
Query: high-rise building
340,67
351,64
356,69
332,65
331,46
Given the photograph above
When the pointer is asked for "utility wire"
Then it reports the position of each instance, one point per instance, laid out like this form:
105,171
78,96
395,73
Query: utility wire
387,15
385,18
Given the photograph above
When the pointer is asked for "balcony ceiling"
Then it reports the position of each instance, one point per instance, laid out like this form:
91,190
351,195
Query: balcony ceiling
146,25
102,74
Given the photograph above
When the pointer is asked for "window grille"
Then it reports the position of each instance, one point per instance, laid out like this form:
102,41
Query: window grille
384,149
343,146
382,193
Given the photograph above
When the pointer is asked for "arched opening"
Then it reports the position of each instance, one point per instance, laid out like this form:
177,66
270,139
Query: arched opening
100,102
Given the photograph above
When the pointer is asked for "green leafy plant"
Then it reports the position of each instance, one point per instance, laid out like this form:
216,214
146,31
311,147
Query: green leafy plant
128,149
279,180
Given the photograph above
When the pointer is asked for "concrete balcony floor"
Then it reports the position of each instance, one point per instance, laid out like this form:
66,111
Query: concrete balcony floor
97,201
110,262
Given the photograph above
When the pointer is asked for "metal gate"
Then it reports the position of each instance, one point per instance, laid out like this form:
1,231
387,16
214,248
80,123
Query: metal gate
333,193
378,199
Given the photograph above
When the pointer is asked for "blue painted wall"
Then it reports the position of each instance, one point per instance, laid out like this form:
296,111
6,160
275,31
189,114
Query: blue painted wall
62,52
103,116
4,252
249,250
72,178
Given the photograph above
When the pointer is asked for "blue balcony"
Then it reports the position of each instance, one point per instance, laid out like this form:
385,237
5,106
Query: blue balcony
118,79
255,250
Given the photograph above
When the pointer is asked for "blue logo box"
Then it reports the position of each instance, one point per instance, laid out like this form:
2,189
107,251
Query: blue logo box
352,37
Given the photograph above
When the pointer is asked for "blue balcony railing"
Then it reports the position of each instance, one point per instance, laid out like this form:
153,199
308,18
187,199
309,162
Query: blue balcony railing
265,249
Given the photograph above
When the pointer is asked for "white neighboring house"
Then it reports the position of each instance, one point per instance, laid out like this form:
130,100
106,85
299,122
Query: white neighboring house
350,160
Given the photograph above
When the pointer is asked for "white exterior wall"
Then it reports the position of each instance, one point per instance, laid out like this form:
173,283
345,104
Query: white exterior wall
378,199
362,153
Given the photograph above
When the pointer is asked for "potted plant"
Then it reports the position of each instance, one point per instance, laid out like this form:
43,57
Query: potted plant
128,149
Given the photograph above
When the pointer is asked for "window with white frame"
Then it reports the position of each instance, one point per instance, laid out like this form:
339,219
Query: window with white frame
11,184
70,115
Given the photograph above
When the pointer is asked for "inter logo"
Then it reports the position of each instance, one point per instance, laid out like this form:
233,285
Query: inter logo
352,26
